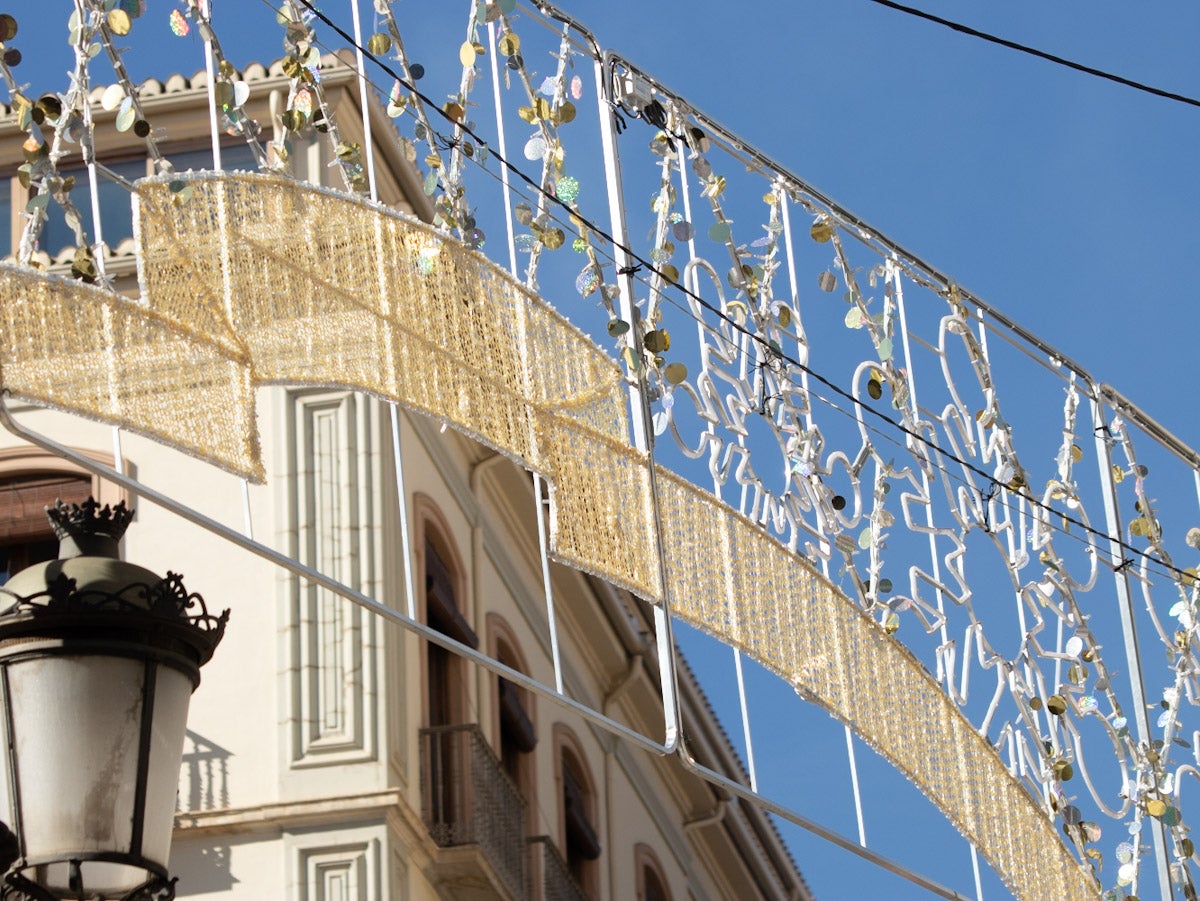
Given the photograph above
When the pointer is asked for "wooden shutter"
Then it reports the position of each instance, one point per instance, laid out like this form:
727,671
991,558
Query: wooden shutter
24,498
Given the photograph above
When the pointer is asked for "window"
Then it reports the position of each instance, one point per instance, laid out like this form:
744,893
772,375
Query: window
116,209
446,751
444,669
651,884
30,481
580,842
516,735
233,156
25,534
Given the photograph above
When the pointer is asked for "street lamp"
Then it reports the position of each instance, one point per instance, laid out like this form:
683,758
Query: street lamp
98,660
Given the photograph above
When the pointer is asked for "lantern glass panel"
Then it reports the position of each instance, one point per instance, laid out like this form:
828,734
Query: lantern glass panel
172,694
76,722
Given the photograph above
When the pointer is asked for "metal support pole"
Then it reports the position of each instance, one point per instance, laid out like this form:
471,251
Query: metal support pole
210,68
410,592
1133,659
546,586
639,415
741,684
364,99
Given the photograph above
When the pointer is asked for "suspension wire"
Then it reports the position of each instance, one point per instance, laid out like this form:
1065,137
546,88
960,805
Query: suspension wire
1040,54
708,305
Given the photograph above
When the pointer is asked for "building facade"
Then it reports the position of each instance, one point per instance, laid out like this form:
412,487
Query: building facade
332,755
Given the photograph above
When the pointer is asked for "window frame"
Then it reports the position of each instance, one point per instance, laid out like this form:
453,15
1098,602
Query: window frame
433,530
25,461
646,863
569,755
504,647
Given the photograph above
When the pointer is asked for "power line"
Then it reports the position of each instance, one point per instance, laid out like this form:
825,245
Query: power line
1040,54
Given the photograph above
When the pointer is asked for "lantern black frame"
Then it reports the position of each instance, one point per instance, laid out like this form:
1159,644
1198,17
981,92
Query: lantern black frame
18,887
159,623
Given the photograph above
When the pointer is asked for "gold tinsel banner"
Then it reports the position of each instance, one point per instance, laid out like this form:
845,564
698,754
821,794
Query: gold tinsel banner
729,578
81,349
319,288
254,279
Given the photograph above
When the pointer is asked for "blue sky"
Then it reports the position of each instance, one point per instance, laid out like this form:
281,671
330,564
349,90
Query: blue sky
1067,202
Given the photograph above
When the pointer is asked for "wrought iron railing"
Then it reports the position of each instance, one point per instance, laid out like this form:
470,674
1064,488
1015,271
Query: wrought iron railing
550,873
468,799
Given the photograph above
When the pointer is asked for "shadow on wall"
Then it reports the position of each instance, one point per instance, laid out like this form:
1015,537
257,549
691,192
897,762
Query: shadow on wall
202,869
203,776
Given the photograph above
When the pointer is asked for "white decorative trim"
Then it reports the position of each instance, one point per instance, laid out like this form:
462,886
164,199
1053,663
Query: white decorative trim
332,659
336,875
329,811
343,865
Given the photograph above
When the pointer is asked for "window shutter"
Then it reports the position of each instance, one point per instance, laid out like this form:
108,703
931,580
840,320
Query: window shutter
441,609
579,829
513,718
24,498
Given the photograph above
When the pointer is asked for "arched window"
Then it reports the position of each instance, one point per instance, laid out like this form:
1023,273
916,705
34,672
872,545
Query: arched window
445,682
580,838
516,735
445,742
30,481
651,883
443,589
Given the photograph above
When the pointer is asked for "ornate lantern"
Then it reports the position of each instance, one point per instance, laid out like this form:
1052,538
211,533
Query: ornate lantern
98,661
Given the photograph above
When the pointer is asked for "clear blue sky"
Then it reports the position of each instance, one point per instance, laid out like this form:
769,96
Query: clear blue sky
1069,203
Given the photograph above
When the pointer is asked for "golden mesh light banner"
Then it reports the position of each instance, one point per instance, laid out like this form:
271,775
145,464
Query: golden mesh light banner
602,511
321,288
283,267
730,579
253,279
82,349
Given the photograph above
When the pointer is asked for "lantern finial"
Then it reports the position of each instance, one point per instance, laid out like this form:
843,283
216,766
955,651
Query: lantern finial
88,529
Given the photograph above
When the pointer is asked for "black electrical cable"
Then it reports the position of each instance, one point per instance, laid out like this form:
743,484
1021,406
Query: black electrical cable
775,351
1040,54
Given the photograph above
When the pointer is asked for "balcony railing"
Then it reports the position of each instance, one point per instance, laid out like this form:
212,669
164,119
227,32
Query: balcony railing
468,799
550,871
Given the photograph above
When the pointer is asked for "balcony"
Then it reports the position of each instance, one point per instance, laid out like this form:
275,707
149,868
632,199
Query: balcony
549,872
472,809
